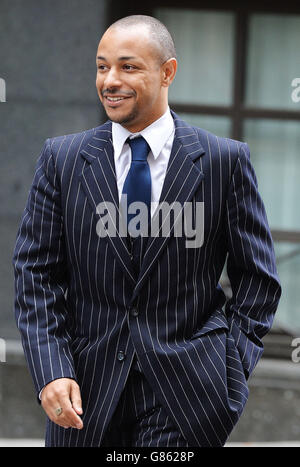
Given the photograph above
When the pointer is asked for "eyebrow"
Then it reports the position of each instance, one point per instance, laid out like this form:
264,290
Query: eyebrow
120,58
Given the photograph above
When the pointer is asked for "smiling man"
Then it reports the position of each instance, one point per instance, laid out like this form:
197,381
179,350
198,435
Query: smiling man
133,78
130,340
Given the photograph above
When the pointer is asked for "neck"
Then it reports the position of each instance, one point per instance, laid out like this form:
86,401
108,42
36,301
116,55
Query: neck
136,128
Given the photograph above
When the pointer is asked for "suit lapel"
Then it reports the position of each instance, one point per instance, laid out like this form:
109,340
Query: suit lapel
99,184
181,181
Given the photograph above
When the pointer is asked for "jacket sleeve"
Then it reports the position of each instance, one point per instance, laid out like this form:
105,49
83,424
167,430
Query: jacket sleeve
251,265
41,280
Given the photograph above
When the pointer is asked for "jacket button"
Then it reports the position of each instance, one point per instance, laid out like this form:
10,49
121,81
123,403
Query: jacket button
134,311
121,356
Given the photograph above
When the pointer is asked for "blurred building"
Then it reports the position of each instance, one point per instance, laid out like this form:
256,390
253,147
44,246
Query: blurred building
237,77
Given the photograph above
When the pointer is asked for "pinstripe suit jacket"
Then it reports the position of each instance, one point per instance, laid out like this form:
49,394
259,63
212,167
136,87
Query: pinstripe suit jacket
75,291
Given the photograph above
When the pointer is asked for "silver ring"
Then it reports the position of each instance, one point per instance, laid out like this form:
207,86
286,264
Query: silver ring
58,411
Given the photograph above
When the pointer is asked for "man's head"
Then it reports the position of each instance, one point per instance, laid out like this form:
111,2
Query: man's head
136,63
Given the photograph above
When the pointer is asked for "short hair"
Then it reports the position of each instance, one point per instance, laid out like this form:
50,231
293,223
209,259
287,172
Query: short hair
158,33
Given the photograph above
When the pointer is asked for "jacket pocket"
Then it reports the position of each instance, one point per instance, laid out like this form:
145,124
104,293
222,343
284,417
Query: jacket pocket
215,322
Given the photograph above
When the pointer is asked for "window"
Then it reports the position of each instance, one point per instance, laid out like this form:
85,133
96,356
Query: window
273,60
235,75
205,58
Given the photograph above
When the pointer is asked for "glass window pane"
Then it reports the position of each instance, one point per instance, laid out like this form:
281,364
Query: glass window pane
274,146
288,264
204,44
220,126
273,60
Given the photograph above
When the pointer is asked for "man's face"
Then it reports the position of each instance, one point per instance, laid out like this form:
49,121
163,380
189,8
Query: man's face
130,78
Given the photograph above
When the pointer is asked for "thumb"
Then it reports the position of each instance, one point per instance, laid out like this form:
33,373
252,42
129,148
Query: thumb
75,397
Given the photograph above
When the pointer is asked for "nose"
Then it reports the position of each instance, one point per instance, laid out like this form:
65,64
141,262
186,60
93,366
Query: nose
112,79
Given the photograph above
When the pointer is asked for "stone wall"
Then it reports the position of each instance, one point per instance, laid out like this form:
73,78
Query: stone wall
47,59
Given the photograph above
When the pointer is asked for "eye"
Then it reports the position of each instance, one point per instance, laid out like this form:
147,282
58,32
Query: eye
129,67
102,67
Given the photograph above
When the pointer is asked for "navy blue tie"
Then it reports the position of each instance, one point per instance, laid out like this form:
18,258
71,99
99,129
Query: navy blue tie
137,185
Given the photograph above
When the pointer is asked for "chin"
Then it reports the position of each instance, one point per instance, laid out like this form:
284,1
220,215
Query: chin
124,119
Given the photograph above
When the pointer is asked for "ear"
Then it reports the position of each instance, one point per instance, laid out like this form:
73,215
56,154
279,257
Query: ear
169,69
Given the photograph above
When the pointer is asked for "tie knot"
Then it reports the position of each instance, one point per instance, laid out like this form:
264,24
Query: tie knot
139,148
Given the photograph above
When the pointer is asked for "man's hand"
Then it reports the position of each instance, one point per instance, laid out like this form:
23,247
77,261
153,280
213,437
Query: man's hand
63,393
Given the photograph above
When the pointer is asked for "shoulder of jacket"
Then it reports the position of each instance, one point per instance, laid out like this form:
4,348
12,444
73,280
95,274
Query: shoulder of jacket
216,146
72,142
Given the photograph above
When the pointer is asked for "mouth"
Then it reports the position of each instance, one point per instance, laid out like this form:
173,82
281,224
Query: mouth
115,101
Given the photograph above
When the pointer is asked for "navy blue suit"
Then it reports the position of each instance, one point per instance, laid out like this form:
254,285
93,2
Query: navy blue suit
84,310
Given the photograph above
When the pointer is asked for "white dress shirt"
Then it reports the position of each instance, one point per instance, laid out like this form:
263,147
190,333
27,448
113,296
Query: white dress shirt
160,136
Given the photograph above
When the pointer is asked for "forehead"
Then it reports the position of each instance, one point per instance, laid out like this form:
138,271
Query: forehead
127,42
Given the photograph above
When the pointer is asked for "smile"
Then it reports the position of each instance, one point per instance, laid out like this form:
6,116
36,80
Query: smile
113,102
115,99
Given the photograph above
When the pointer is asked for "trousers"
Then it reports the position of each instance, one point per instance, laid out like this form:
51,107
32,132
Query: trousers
139,419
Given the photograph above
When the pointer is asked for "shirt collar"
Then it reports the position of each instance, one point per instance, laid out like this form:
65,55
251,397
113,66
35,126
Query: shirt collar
155,134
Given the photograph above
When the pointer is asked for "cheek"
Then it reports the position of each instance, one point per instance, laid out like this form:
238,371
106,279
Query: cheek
99,86
99,81
148,90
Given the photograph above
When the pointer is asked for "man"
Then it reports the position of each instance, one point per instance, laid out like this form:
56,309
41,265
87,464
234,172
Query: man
128,337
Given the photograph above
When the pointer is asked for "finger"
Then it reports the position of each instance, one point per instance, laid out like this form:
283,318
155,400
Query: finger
69,416
50,407
57,395
75,397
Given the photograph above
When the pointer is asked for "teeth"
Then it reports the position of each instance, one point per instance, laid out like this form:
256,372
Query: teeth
115,99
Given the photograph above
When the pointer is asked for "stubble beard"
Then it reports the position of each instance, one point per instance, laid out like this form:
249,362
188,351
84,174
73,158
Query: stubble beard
125,119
